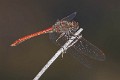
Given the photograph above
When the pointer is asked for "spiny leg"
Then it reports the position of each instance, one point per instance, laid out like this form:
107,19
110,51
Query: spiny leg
61,35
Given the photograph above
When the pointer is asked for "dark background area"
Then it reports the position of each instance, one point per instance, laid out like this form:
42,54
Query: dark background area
100,20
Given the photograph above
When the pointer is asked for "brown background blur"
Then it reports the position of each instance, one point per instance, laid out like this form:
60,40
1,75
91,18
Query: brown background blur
100,20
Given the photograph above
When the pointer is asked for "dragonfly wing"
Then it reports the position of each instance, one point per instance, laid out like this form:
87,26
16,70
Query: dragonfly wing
69,17
54,36
88,49
83,59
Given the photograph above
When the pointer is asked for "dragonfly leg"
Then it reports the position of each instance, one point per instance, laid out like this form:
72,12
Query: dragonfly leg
77,36
61,35
63,52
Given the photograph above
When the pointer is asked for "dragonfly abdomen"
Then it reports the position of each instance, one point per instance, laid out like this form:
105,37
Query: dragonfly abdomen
20,40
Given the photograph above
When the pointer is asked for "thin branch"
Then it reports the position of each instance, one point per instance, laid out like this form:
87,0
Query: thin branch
68,44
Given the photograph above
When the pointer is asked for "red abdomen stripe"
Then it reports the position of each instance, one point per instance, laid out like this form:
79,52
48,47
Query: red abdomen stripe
30,36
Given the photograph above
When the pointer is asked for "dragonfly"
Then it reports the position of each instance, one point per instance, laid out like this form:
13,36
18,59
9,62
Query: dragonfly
60,32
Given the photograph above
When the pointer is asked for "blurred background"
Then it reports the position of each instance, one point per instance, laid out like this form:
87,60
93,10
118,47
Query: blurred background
100,20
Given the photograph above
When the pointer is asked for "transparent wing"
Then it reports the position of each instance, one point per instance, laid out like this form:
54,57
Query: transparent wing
70,17
88,49
53,37
82,58
83,50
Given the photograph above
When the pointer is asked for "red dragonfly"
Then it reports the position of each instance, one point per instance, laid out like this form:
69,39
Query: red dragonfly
60,32
61,26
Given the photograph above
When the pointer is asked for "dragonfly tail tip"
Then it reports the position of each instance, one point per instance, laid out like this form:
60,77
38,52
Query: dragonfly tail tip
12,45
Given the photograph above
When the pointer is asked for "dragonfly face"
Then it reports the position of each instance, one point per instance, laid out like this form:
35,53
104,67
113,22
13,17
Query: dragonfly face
65,26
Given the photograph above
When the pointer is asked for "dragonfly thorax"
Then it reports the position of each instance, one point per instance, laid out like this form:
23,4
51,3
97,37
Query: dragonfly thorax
65,26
